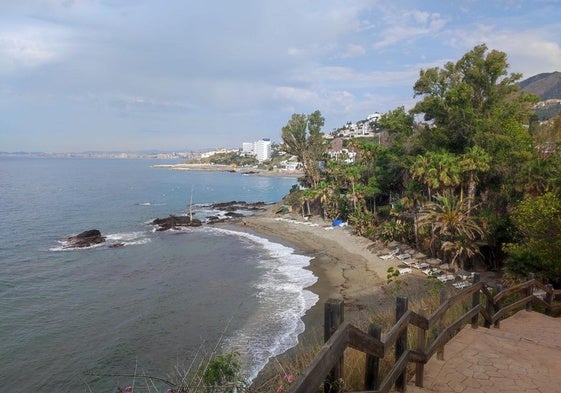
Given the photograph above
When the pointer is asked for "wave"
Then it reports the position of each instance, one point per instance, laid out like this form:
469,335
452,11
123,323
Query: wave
129,238
283,300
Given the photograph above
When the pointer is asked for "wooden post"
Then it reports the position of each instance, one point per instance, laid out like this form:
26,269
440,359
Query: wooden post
530,291
334,316
549,299
475,299
498,306
401,342
372,370
421,346
440,350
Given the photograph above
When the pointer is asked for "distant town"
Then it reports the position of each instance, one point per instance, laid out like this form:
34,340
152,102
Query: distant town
262,150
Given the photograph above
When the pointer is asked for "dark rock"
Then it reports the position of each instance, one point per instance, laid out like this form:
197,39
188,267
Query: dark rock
238,205
234,214
173,222
85,239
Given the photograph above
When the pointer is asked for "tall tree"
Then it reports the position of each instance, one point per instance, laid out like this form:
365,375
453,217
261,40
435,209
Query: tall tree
474,102
302,137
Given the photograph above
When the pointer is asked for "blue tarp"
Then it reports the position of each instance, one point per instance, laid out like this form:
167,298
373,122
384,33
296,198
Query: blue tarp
337,222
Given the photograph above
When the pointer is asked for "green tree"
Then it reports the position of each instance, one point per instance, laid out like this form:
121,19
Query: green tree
538,224
438,170
452,227
473,101
302,137
475,160
397,121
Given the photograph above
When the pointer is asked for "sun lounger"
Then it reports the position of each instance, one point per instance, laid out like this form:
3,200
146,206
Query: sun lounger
446,277
391,254
405,270
403,256
461,284
422,265
431,271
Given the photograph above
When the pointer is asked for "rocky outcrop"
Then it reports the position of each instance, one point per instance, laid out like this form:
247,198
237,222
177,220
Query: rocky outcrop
173,222
238,205
85,239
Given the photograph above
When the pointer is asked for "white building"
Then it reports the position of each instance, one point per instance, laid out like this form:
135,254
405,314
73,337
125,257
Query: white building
262,149
247,147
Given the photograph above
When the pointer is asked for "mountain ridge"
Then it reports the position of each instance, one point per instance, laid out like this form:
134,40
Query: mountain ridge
546,85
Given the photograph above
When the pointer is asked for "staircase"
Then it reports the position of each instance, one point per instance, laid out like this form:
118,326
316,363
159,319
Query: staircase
524,355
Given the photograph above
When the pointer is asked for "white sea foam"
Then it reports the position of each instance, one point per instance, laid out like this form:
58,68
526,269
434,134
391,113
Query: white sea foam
64,246
283,301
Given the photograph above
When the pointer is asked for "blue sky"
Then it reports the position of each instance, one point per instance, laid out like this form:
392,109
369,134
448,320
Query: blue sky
181,75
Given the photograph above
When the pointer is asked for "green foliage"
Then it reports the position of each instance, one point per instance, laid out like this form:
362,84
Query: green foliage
232,158
302,137
478,152
538,224
453,226
223,374
362,221
397,121
393,230
470,99
393,277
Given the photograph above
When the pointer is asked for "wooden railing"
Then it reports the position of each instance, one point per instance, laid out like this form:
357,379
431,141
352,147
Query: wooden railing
327,367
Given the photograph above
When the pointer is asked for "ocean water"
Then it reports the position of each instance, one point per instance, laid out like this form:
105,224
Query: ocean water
81,320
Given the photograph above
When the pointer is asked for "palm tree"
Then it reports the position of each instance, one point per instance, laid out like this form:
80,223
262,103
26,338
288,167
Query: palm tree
453,226
420,171
437,170
473,161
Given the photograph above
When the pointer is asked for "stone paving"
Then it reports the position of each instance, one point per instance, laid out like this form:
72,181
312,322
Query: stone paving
524,355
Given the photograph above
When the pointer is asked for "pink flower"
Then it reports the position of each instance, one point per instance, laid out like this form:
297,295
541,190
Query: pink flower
169,391
128,389
289,378
280,388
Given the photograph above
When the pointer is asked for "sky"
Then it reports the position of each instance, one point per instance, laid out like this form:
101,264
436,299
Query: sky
184,75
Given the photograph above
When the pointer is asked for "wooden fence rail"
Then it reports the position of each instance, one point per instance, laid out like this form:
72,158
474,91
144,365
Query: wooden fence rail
327,367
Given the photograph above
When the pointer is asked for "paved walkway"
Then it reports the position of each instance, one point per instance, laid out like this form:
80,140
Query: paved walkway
524,355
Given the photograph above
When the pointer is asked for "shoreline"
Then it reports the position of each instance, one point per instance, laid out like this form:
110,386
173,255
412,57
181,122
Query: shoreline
347,268
228,168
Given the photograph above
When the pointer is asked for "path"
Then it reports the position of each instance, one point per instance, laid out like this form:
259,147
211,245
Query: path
524,355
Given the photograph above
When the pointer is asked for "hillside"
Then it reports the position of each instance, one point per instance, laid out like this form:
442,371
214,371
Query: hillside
547,86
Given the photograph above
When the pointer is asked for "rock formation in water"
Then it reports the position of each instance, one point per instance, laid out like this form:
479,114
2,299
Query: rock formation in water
85,239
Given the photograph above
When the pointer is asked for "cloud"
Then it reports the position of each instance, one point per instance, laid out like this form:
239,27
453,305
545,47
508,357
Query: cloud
352,50
408,26
31,47
530,51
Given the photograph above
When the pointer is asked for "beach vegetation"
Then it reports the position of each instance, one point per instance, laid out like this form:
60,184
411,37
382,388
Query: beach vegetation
302,137
453,176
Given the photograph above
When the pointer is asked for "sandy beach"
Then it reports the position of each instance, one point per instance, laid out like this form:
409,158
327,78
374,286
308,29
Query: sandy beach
348,266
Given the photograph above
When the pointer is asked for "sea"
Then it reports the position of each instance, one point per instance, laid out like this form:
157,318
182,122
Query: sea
98,319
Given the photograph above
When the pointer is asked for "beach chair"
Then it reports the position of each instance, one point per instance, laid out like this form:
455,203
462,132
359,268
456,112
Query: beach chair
403,256
431,271
405,270
446,277
461,284
391,254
